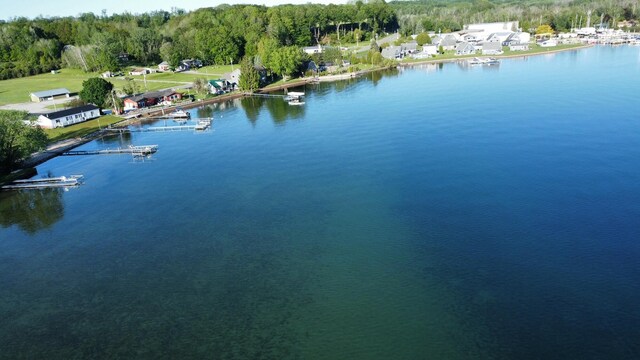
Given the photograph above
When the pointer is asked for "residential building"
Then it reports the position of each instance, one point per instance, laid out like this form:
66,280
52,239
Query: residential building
464,48
392,52
492,48
68,117
164,66
313,49
448,42
518,47
151,98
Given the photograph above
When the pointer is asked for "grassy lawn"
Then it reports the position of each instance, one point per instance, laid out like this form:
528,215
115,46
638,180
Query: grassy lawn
215,70
14,91
81,129
17,90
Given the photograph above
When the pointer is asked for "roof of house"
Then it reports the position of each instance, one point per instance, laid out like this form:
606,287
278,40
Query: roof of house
491,45
448,40
149,95
215,84
72,111
50,93
164,63
391,51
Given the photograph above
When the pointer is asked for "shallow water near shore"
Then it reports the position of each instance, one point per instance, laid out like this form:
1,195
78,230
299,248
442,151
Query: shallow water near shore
442,212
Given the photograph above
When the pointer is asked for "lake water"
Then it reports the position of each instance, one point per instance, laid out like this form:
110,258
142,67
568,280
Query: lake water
439,212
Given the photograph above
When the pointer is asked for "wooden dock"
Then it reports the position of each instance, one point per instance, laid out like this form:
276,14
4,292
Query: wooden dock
142,150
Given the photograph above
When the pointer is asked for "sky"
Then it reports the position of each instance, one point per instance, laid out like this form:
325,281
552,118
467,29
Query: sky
47,8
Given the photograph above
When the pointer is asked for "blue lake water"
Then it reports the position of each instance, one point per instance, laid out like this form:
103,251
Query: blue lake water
438,212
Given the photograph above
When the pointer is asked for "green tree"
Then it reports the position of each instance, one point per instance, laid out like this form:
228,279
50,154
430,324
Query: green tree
249,77
288,60
423,38
17,139
95,91
200,85
130,87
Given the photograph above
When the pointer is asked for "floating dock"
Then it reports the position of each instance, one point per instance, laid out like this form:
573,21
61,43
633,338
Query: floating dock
198,126
142,150
44,183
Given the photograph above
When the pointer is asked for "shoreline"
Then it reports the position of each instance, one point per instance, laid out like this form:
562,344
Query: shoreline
510,56
56,149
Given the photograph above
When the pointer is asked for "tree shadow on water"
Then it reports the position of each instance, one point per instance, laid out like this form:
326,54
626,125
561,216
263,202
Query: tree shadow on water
31,210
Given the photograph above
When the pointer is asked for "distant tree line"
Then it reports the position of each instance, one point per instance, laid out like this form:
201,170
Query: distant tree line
220,35
451,15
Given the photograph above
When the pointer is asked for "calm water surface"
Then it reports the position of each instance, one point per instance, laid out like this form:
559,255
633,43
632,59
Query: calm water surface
440,212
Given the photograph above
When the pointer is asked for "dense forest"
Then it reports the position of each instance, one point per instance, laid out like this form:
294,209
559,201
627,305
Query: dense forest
219,35
226,34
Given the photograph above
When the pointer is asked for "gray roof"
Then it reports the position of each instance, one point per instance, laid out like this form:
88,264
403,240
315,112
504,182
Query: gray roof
448,40
411,46
391,52
72,111
491,45
50,93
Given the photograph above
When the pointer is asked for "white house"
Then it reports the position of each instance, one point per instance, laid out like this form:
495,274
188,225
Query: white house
313,49
549,43
68,117
464,48
518,47
233,78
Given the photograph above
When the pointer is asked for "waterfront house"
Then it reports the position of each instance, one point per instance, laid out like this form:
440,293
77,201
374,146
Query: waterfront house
164,66
49,94
233,78
464,48
409,48
449,42
151,98
219,86
68,117
436,39
492,48
392,52
500,37
107,74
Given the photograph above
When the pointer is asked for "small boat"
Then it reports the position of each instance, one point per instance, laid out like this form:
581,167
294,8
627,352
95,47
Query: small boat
483,61
203,124
180,114
62,181
294,98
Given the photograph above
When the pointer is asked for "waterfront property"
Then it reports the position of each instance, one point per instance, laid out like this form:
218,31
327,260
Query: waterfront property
49,94
165,97
68,117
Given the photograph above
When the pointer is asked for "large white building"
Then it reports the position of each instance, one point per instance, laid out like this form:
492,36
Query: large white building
68,117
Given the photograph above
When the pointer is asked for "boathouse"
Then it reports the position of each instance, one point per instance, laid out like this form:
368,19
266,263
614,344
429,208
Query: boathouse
68,117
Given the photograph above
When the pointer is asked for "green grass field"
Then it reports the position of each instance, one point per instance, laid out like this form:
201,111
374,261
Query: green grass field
81,129
215,70
14,91
17,90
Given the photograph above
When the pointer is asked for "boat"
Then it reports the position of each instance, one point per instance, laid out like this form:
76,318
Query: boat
56,182
180,114
203,124
294,98
483,61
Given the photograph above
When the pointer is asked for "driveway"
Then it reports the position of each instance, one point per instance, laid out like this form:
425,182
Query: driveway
38,107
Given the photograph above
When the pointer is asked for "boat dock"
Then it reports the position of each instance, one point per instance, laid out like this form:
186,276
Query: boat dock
44,183
142,150
197,126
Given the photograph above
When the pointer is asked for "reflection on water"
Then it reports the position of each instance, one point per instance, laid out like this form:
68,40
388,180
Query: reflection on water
31,210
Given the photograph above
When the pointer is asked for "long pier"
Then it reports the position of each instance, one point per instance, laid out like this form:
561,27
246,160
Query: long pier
132,150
